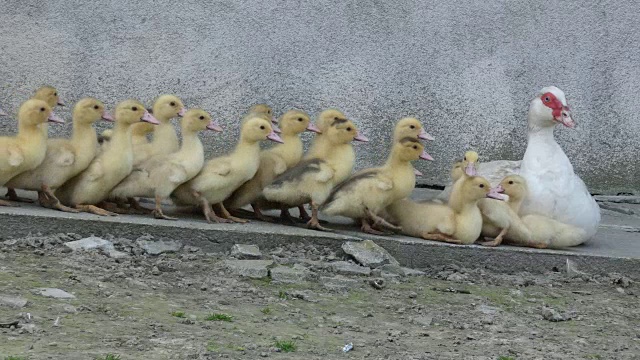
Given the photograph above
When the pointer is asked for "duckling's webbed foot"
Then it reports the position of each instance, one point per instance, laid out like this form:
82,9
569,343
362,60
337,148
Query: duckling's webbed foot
304,216
114,208
228,216
136,208
13,196
157,212
47,199
286,217
366,227
497,241
209,214
7,203
314,223
377,220
258,213
95,210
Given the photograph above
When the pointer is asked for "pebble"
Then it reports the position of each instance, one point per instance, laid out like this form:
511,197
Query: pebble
54,293
155,271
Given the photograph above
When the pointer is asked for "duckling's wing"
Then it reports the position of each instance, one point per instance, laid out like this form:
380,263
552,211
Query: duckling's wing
16,157
352,182
63,155
221,167
95,170
298,172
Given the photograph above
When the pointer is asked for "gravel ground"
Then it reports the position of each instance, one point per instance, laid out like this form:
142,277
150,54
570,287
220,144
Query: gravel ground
141,299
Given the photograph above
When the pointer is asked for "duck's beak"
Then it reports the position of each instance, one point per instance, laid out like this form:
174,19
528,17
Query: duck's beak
149,118
55,118
274,137
274,120
417,172
360,137
425,135
60,102
314,128
3,113
214,126
276,129
425,156
564,117
107,116
496,193
182,111
471,169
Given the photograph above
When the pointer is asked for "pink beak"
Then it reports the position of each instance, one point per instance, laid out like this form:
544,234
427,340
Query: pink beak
360,137
274,120
214,126
182,112
60,102
496,193
3,113
314,128
274,137
149,118
425,156
107,116
471,169
565,118
276,128
425,135
55,118
417,172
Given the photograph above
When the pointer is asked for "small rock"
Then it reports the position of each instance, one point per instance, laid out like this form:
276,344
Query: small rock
412,272
114,254
623,281
242,251
54,293
413,295
89,243
254,269
455,277
368,253
339,283
158,247
264,354
52,344
13,301
552,315
572,269
620,290
347,268
285,274
155,271
422,320
487,310
70,309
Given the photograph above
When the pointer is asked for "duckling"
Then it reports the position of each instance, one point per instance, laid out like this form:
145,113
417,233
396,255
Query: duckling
65,158
500,218
221,176
261,109
274,161
160,175
312,180
165,140
365,195
92,186
27,149
50,95
468,165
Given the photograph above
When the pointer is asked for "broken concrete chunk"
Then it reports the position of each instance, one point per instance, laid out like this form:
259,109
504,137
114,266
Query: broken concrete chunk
347,268
368,253
54,293
89,243
254,269
13,301
340,283
243,251
285,274
157,247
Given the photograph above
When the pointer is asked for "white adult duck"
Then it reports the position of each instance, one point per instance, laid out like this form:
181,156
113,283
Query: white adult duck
554,189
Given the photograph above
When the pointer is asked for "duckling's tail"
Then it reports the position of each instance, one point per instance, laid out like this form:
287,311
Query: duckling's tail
105,136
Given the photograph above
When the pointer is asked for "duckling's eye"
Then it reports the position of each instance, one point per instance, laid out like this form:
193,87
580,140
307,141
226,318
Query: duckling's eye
55,94
412,126
299,119
135,108
262,127
511,182
41,109
201,117
415,148
348,129
96,107
269,112
465,158
335,118
481,185
173,103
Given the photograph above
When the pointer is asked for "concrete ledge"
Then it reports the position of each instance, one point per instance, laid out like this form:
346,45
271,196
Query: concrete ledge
617,249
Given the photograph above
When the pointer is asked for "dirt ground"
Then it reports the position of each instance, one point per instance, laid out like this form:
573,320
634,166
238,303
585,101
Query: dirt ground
189,305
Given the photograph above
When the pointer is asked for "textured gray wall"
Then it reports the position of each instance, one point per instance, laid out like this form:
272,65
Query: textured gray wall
467,69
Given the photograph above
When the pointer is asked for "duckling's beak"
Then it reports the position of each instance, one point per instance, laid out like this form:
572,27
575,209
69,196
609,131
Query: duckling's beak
471,169
496,193
425,135
314,128
274,120
149,118
214,126
425,156
60,102
182,111
276,128
417,172
274,137
360,137
3,113
107,116
55,118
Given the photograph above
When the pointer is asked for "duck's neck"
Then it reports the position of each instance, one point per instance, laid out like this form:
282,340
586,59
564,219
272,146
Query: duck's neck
457,200
515,203
84,136
318,146
29,133
541,134
248,148
291,150
121,139
191,143
164,135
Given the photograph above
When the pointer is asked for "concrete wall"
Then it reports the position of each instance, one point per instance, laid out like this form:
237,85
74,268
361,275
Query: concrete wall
467,69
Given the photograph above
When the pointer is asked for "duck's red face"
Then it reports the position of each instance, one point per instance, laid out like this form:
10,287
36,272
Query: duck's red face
561,113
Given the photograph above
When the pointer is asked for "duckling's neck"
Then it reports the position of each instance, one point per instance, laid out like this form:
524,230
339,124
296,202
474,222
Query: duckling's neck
515,203
457,200
318,146
247,147
164,135
191,143
121,139
291,150
30,133
84,135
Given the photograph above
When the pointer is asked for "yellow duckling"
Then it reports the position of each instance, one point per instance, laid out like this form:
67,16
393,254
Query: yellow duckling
261,110
468,165
274,161
411,127
65,158
160,175
221,176
311,180
364,195
27,149
92,186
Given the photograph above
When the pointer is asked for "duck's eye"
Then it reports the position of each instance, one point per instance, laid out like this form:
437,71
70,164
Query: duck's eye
412,126
349,129
262,127
546,99
135,108
511,182
465,158
269,112
173,103
300,119
481,185
415,148
42,109
201,117
96,107
55,94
